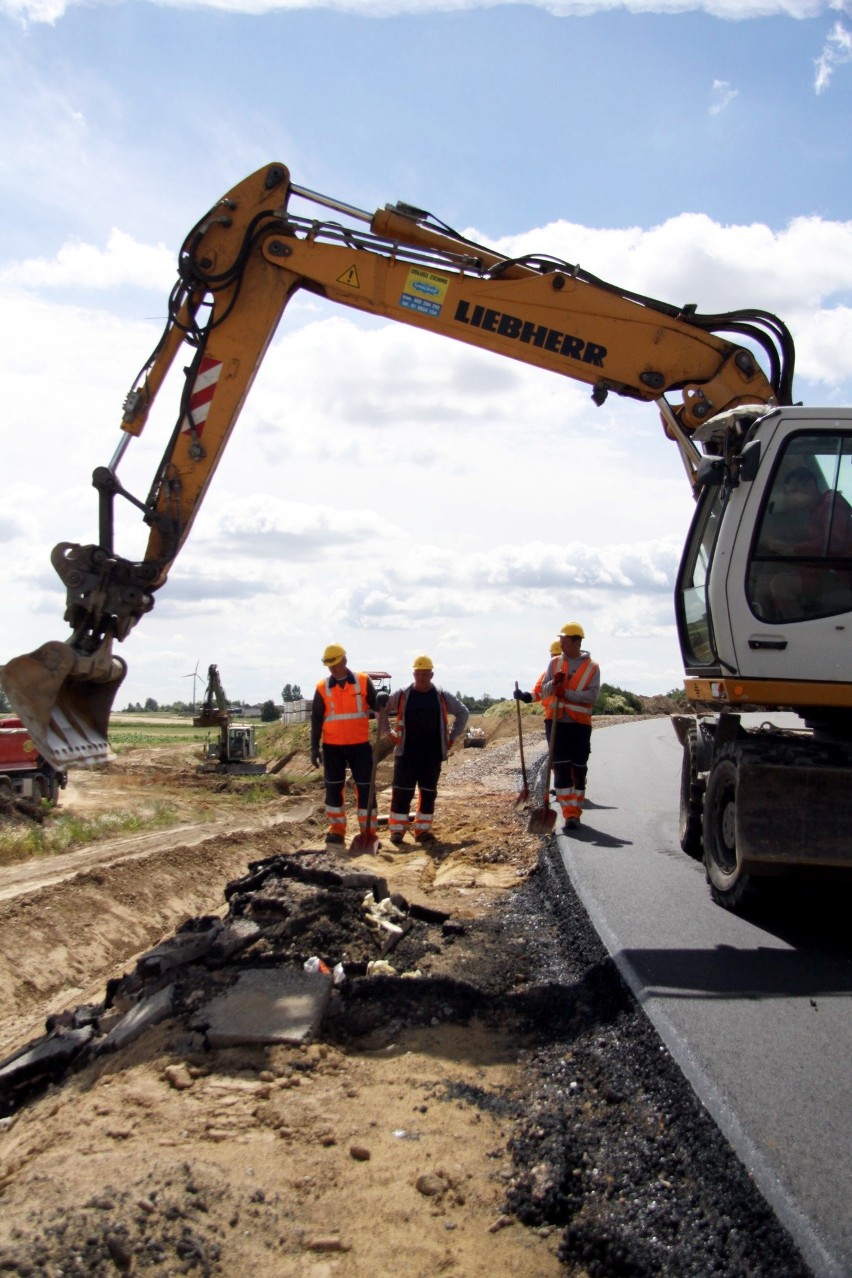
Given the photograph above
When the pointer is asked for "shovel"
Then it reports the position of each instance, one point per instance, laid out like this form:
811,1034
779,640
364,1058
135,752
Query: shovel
367,843
542,820
525,791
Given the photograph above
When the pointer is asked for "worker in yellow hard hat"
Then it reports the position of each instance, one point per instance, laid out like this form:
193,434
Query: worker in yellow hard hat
343,705
418,719
537,695
572,680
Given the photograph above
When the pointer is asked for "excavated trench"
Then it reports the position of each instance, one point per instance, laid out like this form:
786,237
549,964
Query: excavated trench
610,1150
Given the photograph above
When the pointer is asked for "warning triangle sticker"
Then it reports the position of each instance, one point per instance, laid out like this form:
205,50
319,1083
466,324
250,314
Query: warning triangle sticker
350,277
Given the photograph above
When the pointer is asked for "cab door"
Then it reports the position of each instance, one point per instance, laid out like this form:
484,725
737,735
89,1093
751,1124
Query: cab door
788,586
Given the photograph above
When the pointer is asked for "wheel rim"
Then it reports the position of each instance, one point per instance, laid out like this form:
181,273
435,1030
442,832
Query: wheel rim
727,843
720,828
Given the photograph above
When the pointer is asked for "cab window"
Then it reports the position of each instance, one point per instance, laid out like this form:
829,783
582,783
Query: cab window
801,562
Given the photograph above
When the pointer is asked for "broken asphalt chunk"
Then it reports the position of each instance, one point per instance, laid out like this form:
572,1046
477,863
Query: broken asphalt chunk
148,1012
178,950
266,1005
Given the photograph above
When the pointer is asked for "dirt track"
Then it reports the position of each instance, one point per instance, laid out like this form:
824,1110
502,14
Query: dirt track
508,1111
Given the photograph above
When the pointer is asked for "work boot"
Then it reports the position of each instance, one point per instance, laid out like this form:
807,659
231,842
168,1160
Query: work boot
573,823
396,839
425,836
333,839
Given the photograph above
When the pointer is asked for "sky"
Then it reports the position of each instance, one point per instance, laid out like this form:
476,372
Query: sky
385,488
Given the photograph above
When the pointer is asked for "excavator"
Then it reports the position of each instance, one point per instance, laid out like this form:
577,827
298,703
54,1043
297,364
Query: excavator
763,597
235,748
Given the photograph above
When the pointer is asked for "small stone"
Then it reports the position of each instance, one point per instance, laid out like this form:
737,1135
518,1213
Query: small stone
331,1243
178,1077
360,1153
430,1185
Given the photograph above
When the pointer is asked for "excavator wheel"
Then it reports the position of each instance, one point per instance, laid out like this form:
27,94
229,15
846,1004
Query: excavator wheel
730,887
692,788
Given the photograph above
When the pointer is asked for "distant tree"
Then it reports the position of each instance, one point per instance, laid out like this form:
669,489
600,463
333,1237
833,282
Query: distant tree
291,692
4,701
478,705
269,712
677,694
151,704
612,700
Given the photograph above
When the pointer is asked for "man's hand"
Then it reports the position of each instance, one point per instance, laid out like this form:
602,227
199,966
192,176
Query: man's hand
522,696
559,683
316,758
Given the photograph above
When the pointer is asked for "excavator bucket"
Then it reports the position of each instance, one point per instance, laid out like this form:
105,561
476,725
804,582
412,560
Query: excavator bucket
64,700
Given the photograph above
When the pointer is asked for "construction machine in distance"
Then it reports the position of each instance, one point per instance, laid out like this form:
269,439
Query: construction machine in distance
763,597
235,748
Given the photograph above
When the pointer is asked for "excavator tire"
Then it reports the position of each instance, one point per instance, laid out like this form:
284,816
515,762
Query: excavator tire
730,886
692,788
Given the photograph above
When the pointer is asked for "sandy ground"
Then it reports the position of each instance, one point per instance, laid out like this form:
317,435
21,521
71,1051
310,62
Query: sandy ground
315,1161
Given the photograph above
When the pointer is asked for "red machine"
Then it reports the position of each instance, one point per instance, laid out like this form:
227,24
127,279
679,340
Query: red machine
24,773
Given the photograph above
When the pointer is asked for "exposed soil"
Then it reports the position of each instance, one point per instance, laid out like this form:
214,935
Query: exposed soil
505,1110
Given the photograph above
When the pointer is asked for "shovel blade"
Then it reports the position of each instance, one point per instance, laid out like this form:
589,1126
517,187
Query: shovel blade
542,821
522,797
365,844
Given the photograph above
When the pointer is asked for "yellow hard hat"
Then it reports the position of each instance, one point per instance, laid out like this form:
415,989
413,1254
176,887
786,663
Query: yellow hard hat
422,663
555,648
333,654
573,628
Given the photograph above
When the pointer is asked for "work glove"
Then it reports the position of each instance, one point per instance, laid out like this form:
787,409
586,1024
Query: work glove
559,684
522,696
381,700
316,757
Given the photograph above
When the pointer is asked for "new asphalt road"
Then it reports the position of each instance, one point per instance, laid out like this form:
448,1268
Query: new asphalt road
757,1010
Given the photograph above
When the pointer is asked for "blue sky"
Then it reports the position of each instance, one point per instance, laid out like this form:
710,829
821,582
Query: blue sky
384,488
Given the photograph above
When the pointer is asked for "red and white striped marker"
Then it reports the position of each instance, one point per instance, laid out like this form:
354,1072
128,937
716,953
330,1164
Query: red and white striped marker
202,395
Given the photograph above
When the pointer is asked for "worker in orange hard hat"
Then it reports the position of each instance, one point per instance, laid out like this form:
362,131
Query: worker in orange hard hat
418,719
573,682
343,705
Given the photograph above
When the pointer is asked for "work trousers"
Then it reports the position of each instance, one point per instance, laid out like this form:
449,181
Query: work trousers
415,769
335,760
571,750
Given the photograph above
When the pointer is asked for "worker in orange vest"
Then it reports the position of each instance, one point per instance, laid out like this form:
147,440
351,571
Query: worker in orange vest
538,695
418,719
343,705
573,681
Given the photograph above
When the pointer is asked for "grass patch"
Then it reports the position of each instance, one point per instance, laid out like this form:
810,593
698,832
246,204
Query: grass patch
64,833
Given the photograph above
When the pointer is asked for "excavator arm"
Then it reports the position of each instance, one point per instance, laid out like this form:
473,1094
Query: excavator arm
237,270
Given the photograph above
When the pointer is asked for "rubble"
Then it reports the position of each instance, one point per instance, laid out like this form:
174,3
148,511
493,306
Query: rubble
285,912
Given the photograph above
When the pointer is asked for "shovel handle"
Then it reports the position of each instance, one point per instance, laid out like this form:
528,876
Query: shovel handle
521,742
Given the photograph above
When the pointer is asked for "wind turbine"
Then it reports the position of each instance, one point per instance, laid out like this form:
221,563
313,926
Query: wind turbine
193,675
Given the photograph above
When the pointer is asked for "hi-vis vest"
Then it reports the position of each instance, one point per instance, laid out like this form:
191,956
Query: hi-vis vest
548,701
399,721
577,682
347,717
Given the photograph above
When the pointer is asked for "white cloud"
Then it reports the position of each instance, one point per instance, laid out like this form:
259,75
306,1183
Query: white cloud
836,52
722,95
50,11
123,262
